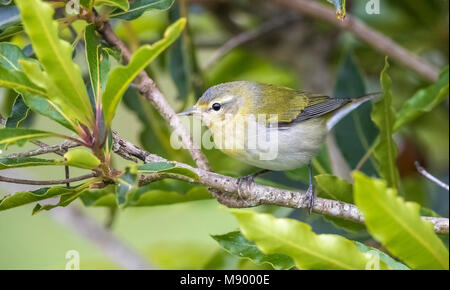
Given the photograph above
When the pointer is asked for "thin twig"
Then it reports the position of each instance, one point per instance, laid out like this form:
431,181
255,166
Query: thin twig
377,40
430,177
249,36
44,149
46,182
252,194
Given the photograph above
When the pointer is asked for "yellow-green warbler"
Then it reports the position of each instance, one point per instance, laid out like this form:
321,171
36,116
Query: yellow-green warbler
270,127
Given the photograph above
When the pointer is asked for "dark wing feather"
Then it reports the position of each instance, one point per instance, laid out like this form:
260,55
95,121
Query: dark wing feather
318,109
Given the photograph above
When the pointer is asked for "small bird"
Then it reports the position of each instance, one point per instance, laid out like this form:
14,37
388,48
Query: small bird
271,127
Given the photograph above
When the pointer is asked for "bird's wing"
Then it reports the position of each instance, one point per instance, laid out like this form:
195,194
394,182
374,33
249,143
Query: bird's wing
286,105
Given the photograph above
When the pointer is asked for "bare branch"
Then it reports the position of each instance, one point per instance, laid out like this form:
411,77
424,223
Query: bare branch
249,36
44,149
425,173
230,192
114,248
377,40
46,182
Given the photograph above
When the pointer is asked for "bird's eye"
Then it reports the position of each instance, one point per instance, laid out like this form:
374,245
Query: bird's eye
216,106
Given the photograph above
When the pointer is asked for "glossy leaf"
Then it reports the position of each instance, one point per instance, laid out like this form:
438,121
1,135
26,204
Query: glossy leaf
7,163
423,100
97,59
127,182
178,58
122,4
9,21
333,187
238,245
383,116
383,256
21,135
47,108
82,158
296,240
36,98
120,78
398,226
100,197
64,200
163,193
165,167
19,113
355,132
138,7
19,82
26,197
55,56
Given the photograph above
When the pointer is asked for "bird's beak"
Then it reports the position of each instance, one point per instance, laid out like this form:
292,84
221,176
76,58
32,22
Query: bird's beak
189,112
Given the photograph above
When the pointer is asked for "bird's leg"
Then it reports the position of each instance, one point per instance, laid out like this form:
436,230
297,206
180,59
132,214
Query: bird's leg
249,179
310,191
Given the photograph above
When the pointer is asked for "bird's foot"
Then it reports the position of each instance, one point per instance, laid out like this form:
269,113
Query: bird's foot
310,198
248,180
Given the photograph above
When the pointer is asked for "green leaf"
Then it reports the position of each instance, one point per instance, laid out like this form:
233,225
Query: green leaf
55,56
120,78
423,100
11,57
19,82
9,21
383,116
22,198
383,256
166,167
178,59
98,60
6,163
47,108
355,132
100,197
398,226
122,4
82,158
238,245
333,187
296,240
21,135
138,7
64,200
162,193
127,182
19,113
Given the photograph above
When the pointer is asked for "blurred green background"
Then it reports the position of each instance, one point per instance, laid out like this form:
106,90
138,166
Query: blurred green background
304,54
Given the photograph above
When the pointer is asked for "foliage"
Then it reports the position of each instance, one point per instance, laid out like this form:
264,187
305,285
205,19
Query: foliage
61,67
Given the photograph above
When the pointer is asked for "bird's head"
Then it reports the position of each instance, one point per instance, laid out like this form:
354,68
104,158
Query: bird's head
223,101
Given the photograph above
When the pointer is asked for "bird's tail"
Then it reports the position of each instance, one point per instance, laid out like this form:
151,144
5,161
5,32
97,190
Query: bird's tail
349,107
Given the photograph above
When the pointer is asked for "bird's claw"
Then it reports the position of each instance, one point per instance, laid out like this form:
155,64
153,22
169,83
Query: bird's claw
310,198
